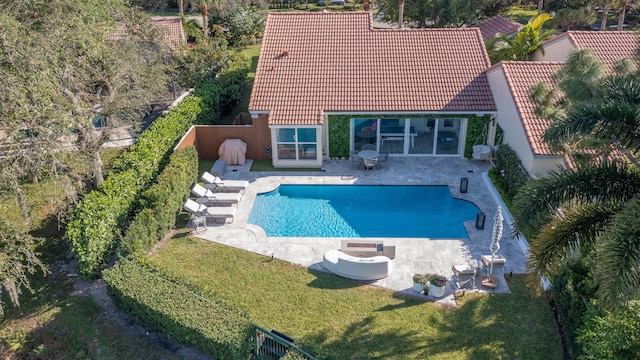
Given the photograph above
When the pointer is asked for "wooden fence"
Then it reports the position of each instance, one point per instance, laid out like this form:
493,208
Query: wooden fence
208,138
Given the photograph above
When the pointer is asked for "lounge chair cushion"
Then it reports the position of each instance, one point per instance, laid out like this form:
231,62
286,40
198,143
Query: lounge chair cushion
193,207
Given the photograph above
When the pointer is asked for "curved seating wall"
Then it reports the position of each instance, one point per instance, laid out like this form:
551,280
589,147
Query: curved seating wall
357,268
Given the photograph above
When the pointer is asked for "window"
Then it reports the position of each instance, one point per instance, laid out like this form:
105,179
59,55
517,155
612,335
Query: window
296,143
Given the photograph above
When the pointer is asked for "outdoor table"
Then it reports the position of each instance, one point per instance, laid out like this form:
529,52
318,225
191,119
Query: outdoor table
368,154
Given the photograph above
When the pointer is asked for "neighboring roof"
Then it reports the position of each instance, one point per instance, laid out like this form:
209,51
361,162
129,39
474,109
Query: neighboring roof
608,46
493,26
521,76
174,35
336,62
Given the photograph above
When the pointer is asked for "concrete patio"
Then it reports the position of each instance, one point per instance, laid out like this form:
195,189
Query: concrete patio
413,255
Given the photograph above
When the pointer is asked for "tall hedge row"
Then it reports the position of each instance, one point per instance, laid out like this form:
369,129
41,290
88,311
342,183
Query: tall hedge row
162,202
508,173
215,327
97,221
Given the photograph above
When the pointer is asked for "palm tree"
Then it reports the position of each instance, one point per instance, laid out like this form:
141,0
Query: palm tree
591,210
622,6
203,6
524,43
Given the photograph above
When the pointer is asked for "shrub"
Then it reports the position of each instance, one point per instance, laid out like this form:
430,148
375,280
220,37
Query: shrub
573,290
98,219
162,202
213,326
611,335
507,173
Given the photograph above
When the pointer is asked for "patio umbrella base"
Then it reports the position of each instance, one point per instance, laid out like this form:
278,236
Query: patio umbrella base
490,282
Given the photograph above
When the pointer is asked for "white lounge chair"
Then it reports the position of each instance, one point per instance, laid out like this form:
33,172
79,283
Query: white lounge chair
214,182
209,211
206,196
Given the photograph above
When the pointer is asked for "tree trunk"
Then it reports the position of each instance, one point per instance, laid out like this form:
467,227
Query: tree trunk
22,200
603,22
400,13
181,6
205,18
540,3
98,176
621,15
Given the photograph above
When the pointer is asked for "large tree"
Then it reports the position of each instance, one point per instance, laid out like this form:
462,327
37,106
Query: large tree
18,259
69,63
591,210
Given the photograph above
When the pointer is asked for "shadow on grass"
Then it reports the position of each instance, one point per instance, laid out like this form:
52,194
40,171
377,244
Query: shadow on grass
501,326
329,281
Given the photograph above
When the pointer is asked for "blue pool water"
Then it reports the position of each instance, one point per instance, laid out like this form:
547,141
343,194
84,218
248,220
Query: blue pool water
362,211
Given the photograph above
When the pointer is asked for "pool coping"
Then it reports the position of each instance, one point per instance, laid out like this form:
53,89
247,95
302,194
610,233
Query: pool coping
413,255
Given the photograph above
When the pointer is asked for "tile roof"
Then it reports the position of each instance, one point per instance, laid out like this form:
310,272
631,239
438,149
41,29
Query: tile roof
521,76
174,35
336,62
608,46
493,26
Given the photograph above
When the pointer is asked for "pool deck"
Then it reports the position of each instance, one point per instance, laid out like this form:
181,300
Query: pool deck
413,255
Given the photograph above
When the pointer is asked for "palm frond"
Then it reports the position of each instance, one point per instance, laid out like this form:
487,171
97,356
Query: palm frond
568,235
618,257
539,199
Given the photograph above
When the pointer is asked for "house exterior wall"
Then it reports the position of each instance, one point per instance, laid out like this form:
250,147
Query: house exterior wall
316,162
542,165
555,51
509,119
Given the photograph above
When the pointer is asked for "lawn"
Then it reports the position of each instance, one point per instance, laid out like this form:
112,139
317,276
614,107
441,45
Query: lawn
521,14
252,52
336,318
54,322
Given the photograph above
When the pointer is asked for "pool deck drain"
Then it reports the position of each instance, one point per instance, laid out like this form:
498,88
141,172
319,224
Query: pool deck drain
413,255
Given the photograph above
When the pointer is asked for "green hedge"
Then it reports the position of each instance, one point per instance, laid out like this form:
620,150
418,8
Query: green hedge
507,173
218,328
97,221
162,202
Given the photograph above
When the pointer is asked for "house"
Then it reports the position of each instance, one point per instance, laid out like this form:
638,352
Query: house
511,82
330,83
174,35
608,46
497,25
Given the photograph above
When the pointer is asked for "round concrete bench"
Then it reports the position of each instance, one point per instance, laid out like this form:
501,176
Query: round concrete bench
357,268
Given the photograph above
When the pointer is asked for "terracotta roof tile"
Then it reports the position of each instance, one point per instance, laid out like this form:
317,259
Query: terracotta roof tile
608,46
336,62
174,35
521,76
493,26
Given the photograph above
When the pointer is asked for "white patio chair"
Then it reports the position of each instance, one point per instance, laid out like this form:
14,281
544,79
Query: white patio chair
215,183
206,196
208,211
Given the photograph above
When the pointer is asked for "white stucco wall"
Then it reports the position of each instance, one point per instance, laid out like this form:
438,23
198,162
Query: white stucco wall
555,51
543,164
509,119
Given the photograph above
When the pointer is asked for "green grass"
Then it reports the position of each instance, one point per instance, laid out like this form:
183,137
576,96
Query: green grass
252,52
53,323
266,165
521,14
336,318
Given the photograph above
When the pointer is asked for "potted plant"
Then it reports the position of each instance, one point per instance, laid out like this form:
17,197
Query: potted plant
437,284
419,282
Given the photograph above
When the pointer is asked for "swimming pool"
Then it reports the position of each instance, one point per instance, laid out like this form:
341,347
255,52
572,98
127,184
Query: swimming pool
362,211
